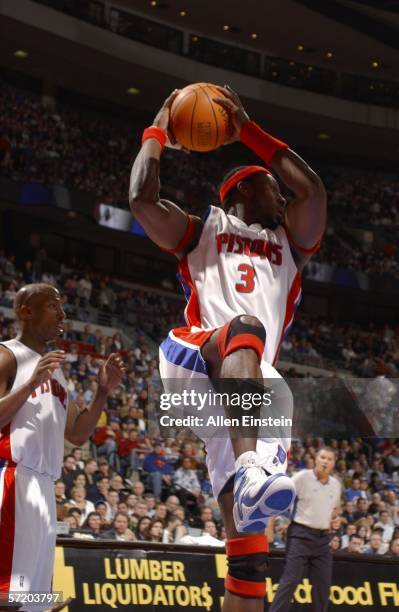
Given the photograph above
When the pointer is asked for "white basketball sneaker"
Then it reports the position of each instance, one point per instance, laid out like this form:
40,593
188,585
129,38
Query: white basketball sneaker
259,495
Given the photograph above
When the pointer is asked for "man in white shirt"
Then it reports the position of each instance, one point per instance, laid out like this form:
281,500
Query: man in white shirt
318,494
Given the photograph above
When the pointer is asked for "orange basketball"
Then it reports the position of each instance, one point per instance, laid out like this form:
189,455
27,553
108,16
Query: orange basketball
196,121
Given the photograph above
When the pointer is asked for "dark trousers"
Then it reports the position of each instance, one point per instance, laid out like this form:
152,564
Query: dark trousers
307,553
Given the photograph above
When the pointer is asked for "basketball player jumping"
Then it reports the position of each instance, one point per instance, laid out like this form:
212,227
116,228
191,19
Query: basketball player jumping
240,265
35,413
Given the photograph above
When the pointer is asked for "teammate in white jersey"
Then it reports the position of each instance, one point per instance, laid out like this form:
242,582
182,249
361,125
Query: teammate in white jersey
35,412
240,266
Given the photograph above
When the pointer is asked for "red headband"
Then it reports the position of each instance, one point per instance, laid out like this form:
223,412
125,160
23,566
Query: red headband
238,176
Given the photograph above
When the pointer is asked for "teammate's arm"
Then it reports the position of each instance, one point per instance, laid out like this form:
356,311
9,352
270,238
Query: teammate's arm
307,212
10,403
164,222
81,425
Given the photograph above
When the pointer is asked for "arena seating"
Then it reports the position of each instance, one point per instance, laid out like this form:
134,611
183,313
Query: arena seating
126,469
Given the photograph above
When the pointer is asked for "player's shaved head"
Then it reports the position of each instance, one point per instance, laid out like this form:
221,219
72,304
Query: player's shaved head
33,293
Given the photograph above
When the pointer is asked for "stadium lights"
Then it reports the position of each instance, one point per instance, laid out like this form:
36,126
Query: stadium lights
21,54
133,91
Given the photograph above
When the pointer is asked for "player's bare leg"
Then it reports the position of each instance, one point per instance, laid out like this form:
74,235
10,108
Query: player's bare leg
241,364
235,352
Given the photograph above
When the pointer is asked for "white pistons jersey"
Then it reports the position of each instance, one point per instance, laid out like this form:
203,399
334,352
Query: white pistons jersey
239,269
35,436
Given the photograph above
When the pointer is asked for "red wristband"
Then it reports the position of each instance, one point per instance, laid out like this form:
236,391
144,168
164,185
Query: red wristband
156,133
262,143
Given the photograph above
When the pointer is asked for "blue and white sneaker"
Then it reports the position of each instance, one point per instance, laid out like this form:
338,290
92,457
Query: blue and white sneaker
258,496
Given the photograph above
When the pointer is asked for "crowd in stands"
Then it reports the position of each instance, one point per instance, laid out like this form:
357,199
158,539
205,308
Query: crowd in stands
127,483
161,492
91,153
365,350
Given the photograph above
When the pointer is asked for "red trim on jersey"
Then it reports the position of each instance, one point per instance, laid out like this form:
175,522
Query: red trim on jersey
184,242
7,527
196,338
192,311
300,249
5,443
244,587
292,299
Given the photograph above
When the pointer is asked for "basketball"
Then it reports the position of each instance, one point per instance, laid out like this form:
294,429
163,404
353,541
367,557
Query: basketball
196,121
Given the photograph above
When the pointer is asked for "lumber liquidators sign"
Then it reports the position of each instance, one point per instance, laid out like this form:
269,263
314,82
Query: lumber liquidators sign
110,579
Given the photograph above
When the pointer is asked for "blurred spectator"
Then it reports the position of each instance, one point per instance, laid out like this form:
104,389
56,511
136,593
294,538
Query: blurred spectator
375,544
119,529
158,469
78,499
353,493
355,544
393,550
93,524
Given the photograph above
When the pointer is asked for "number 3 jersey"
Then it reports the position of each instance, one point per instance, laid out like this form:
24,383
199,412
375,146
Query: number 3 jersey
239,269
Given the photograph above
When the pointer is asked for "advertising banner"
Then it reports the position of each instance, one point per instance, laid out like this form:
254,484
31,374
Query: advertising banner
117,579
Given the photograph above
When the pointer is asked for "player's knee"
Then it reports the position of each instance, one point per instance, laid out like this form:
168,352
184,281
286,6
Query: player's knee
252,321
243,332
247,560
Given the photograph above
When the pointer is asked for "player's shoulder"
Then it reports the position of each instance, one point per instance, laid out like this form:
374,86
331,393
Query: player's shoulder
8,368
212,213
7,357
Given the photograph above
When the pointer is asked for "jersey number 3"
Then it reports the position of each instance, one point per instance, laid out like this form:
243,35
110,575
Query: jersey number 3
247,283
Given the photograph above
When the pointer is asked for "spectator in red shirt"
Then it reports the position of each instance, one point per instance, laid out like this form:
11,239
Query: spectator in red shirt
129,447
107,439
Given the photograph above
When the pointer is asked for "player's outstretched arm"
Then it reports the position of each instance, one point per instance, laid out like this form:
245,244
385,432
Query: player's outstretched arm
164,222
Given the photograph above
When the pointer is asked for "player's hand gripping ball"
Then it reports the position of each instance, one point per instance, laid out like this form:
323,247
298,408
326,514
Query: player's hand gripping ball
197,122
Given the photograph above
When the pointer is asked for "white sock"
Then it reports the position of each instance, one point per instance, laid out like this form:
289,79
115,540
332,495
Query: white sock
246,459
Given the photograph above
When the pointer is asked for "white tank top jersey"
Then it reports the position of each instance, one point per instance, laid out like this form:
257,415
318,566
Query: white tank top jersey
35,436
239,269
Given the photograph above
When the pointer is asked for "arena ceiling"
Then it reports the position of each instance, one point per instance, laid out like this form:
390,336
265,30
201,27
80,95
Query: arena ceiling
355,32
100,75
